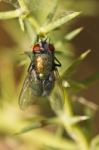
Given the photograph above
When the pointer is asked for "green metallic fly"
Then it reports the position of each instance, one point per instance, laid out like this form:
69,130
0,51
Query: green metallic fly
41,75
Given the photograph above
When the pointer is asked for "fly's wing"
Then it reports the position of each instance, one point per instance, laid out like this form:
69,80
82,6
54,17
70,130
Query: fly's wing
26,95
59,86
57,95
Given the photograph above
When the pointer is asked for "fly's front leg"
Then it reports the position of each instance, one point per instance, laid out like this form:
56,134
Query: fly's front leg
58,64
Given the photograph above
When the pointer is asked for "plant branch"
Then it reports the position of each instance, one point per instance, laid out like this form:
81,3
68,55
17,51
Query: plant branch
10,14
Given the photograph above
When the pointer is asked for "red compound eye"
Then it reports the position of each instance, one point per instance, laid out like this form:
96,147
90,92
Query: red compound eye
51,47
36,48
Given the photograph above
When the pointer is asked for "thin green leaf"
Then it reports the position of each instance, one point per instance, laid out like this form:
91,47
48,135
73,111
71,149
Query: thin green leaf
71,120
35,125
52,13
55,24
10,14
81,85
72,68
87,82
31,33
87,105
76,85
21,22
73,34
78,119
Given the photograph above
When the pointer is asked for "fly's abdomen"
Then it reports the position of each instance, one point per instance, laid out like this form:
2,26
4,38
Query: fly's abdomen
48,84
41,87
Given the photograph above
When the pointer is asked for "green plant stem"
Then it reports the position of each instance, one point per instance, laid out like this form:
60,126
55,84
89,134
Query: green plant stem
10,14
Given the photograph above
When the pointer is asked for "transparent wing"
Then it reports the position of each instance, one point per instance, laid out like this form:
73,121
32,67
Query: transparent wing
57,95
26,97
58,85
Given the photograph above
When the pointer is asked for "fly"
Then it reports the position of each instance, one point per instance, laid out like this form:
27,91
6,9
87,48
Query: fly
41,74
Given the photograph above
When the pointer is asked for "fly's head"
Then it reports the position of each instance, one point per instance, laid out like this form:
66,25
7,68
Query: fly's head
43,47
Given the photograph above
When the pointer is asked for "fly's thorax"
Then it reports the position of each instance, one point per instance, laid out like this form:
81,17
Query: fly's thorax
43,64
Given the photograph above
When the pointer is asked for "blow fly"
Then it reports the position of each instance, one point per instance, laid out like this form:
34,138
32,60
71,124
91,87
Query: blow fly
41,74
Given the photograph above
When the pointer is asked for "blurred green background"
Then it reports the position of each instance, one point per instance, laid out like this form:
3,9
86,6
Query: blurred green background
13,64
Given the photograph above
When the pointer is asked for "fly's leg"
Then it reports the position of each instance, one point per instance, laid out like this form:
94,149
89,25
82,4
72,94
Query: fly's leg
56,64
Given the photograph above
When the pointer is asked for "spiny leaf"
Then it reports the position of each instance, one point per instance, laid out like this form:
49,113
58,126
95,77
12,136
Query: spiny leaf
72,68
51,14
31,33
57,23
73,34
81,85
90,79
76,85
21,22
10,14
72,120
85,104
78,119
